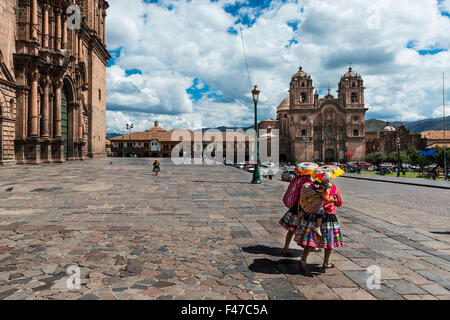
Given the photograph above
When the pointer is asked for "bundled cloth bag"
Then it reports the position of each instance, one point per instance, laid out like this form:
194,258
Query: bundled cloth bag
290,219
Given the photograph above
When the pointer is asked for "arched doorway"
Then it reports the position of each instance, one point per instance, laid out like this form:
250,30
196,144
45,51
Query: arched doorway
330,155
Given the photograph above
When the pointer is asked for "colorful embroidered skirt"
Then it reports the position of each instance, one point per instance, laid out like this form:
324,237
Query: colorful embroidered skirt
331,233
290,221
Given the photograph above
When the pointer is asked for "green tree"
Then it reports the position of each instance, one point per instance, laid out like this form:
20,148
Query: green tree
439,156
393,157
424,161
413,155
376,158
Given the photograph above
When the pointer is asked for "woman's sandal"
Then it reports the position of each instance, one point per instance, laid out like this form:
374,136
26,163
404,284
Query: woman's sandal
329,266
301,267
287,253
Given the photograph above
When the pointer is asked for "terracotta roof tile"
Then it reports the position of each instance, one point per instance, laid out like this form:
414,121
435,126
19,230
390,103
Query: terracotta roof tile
435,134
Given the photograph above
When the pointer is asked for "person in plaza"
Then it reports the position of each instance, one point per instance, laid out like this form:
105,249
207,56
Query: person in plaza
330,235
290,219
156,167
313,196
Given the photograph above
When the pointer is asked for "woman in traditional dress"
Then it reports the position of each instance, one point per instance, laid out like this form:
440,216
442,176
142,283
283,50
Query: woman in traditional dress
330,230
290,219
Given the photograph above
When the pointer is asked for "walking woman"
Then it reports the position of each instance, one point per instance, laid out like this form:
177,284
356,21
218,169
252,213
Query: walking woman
290,220
330,229
156,168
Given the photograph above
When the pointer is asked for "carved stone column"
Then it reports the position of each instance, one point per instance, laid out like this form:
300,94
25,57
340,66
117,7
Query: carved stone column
80,124
58,29
34,20
64,32
45,109
45,35
34,104
80,46
57,113
75,43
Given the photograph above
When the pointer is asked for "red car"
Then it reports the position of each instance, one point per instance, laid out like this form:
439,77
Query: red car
365,164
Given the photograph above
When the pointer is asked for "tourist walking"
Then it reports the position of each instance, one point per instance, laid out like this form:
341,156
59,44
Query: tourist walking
331,236
290,219
156,167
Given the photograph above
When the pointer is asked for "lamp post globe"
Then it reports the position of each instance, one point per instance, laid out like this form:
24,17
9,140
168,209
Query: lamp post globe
256,174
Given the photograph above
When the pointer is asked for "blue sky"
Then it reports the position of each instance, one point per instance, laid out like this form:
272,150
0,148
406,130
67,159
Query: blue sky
182,62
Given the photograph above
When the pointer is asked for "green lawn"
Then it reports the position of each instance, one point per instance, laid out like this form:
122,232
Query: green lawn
408,175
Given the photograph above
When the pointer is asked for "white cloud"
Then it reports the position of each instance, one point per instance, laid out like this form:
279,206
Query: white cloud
439,112
191,41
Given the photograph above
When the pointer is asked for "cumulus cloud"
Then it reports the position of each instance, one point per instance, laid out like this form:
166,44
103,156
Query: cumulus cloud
400,47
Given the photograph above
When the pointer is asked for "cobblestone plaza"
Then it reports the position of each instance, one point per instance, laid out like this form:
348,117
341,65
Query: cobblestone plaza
205,232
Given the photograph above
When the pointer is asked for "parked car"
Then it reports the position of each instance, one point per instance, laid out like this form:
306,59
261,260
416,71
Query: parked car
288,174
240,165
248,164
250,168
365,164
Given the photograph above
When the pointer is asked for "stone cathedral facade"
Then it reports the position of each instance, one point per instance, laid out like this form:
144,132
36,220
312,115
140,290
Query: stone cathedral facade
52,81
321,129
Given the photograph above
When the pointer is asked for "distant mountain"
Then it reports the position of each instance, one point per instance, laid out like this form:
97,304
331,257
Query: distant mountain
224,129
374,125
113,135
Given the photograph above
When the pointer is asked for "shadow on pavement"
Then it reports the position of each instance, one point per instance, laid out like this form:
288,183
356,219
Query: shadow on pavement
285,266
271,251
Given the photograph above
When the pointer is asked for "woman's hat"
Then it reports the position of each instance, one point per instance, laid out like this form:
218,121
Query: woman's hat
305,168
323,178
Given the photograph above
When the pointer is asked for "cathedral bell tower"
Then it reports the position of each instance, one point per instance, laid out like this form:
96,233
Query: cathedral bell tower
351,90
301,90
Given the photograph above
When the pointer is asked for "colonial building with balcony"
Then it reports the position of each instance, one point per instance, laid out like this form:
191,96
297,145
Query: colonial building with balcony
159,143
52,80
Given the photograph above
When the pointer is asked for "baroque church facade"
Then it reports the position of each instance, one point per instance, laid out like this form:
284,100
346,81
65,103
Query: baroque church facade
52,81
321,129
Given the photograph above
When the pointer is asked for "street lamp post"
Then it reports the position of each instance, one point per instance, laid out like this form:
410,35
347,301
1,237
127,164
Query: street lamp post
398,156
129,127
256,175
306,139
346,155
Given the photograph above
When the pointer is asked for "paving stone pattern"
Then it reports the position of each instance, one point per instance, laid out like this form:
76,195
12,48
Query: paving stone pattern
201,232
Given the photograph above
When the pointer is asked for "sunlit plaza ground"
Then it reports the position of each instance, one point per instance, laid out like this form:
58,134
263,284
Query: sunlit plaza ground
205,232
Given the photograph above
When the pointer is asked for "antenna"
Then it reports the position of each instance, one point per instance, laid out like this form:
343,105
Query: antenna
243,44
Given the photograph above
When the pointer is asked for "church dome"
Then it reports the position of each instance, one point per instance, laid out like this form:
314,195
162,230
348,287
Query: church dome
350,74
389,128
300,74
284,105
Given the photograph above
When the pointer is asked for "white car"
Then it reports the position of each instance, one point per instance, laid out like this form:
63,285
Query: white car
240,165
